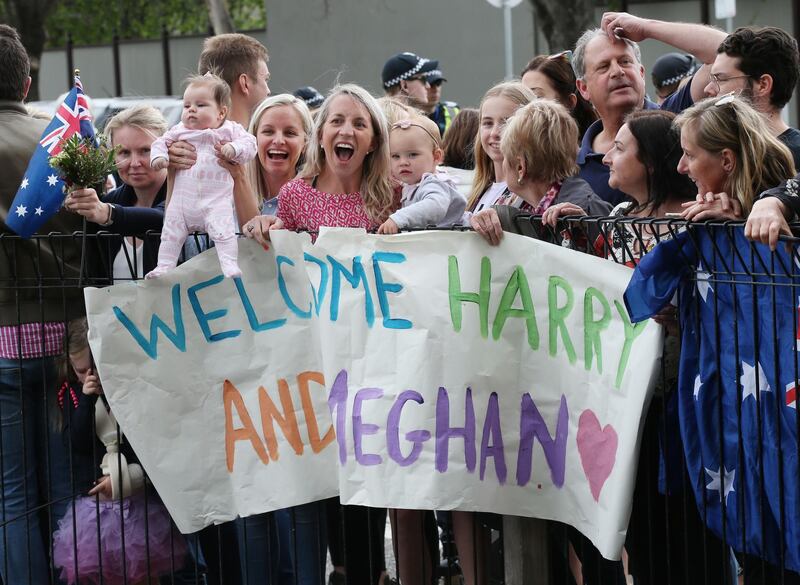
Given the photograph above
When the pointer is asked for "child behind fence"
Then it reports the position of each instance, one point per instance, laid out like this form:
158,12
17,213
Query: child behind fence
429,197
120,532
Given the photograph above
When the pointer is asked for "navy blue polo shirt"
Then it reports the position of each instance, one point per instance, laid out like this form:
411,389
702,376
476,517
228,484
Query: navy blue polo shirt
592,169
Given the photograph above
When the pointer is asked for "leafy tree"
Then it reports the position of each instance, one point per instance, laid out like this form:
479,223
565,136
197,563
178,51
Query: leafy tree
563,22
88,20
28,17
47,23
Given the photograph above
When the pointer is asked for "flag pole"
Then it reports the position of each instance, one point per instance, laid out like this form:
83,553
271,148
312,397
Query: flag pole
82,265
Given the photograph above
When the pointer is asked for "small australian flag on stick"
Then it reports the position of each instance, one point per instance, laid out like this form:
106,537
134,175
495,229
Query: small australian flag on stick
41,193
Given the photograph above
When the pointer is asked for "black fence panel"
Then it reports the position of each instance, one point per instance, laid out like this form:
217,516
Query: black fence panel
717,491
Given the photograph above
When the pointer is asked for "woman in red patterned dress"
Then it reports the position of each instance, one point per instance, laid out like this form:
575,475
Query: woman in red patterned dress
345,181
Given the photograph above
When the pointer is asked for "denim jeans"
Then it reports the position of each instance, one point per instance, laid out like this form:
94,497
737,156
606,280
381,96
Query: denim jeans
285,547
259,549
303,534
35,469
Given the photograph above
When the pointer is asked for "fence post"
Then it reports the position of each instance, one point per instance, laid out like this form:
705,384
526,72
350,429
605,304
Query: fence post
166,56
70,63
527,557
117,69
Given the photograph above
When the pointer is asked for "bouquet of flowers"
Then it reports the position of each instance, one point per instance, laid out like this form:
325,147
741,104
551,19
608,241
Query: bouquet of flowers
82,164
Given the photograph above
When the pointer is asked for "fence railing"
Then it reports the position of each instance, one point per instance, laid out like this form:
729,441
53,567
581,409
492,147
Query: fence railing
717,495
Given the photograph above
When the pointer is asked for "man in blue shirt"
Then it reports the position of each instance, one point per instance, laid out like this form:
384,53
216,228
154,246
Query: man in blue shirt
611,76
760,64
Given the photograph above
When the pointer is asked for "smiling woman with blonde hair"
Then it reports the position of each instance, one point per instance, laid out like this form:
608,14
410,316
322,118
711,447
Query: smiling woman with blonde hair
731,155
134,208
343,183
346,172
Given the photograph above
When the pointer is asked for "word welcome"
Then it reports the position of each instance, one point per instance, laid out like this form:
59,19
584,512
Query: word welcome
331,274
597,313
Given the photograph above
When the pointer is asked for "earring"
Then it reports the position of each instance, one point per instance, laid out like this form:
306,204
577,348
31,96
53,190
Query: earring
519,180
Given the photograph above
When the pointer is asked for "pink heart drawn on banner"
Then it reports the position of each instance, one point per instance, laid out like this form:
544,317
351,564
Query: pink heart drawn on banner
598,450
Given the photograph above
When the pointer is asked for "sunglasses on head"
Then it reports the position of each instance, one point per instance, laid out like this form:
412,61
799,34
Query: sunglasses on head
725,99
562,56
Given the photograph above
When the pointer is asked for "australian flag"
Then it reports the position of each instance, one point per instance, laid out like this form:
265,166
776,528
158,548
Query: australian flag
40,195
737,395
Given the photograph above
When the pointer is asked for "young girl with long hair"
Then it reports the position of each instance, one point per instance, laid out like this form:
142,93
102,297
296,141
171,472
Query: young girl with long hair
497,105
120,532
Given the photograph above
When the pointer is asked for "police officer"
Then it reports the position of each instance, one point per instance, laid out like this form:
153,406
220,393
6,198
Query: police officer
440,112
312,98
403,77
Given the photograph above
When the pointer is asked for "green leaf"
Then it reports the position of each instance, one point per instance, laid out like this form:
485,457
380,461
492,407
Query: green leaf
81,163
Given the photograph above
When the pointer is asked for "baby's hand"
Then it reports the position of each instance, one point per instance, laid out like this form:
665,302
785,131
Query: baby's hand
102,488
91,384
228,151
388,227
159,163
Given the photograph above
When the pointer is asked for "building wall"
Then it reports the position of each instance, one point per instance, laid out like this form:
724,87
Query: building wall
351,43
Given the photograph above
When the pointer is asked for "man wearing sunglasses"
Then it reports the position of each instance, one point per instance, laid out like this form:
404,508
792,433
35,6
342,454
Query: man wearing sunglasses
404,77
440,112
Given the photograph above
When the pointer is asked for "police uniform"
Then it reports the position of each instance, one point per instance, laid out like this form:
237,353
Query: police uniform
444,112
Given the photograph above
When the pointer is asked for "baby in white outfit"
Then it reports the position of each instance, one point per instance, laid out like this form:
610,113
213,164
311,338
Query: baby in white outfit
202,197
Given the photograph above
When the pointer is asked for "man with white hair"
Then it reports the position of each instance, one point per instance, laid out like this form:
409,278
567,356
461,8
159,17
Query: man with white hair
609,71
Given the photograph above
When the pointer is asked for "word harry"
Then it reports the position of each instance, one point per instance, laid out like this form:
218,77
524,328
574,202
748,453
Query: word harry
517,287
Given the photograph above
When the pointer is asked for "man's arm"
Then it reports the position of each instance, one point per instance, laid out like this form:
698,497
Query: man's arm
772,211
698,39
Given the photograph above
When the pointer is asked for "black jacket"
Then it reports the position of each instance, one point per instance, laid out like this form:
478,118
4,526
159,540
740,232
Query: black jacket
143,222
573,190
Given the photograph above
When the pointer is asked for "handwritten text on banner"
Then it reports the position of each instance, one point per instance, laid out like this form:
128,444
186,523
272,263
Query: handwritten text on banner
426,370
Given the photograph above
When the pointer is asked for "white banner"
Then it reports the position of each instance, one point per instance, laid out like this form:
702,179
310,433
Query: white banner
425,370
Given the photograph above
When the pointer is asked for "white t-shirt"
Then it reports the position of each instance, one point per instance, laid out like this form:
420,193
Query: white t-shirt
462,178
491,195
122,269
489,198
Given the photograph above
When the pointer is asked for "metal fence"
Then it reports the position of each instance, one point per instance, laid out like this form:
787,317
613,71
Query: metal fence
716,495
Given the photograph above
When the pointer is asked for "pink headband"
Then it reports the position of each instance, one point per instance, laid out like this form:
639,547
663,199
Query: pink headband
406,124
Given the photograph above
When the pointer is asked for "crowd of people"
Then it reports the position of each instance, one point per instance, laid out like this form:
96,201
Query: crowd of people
575,135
